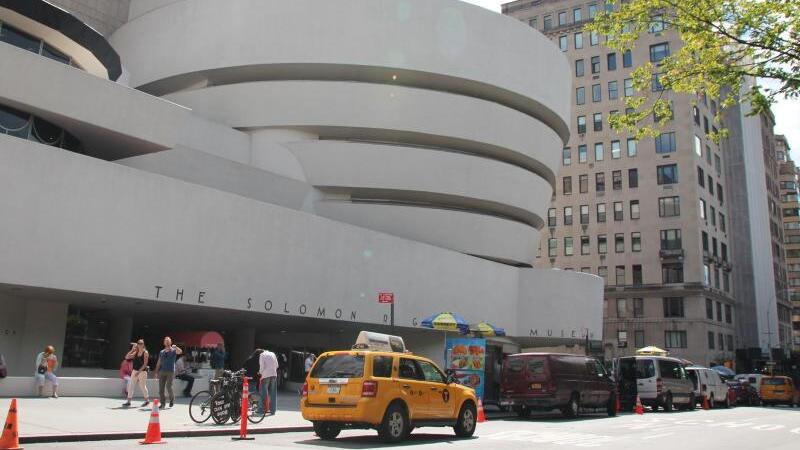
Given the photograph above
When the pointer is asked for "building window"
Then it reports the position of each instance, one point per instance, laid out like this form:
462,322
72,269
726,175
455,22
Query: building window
611,61
618,211
671,239
602,244
656,24
602,272
627,86
597,119
613,92
620,275
568,215
704,240
638,307
713,217
633,178
562,18
578,37
598,151
729,339
637,274
616,153
655,83
548,22
595,64
669,206
616,178
702,209
631,147
592,10
566,156
622,306
552,247
675,339
706,275
585,245
665,142
582,154
596,95
551,217
601,213
720,341
533,23
701,179
673,306
600,182
667,174
711,340
719,194
619,243
709,309
627,59
562,43
576,15
584,214
717,164
719,312
622,338
658,52
579,68
634,207
581,124
728,314
580,95
672,273
636,241
568,246
638,337
594,39
583,184
698,146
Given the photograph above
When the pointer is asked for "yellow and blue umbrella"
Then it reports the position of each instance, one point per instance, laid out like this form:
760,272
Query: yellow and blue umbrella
446,322
486,329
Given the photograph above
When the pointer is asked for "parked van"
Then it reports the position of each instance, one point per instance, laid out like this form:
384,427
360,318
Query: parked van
548,381
708,383
778,391
659,381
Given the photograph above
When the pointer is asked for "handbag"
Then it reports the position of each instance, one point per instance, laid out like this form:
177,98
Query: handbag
41,370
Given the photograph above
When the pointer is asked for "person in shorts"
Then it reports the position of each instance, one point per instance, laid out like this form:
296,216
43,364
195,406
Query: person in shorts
46,363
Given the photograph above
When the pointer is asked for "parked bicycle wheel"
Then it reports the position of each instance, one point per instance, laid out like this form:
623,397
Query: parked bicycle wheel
220,408
252,409
200,407
236,408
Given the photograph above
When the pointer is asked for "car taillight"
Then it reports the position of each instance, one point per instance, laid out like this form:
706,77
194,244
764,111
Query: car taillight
369,389
659,385
305,389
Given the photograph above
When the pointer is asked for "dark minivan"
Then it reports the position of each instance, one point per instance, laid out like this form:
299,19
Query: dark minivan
548,381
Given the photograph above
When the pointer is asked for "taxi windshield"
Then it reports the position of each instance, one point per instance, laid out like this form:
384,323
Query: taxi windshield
339,366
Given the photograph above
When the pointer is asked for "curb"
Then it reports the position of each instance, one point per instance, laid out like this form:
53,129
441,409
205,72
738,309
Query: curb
89,437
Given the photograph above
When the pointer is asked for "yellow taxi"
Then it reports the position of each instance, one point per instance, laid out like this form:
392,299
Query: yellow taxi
777,390
379,385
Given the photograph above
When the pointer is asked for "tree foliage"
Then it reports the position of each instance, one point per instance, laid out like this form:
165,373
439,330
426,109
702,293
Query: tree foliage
724,43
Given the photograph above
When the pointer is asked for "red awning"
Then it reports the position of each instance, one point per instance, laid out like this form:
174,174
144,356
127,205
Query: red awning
198,338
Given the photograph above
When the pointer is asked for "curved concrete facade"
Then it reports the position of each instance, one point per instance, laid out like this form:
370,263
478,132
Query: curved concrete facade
398,145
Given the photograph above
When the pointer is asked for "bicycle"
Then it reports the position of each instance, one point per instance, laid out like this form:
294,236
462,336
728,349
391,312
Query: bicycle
222,402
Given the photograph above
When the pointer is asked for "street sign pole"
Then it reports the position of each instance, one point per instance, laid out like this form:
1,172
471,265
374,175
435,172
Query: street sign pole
388,297
391,315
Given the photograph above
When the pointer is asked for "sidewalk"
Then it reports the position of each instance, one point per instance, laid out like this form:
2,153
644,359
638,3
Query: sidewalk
93,418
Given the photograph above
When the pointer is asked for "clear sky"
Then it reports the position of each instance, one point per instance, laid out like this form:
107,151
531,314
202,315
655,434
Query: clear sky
787,112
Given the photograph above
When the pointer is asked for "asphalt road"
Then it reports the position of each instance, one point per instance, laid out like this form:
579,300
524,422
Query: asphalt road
776,428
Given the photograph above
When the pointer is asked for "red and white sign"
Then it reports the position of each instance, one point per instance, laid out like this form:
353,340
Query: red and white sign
386,297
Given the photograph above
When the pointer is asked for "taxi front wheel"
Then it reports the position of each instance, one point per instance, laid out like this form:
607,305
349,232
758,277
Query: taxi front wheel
467,417
395,426
326,430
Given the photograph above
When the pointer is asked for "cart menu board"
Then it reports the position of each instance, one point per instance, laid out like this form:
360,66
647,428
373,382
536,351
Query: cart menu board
467,357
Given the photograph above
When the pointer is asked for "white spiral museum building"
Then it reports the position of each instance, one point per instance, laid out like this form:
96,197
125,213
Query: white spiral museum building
266,168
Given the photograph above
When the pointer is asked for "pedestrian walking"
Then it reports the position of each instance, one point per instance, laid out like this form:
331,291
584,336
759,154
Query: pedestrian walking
125,371
46,363
268,367
218,359
140,358
165,371
182,373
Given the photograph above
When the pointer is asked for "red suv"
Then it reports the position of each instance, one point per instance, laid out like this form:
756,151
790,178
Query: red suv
548,381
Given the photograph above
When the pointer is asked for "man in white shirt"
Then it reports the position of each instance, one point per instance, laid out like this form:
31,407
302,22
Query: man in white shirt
268,368
309,362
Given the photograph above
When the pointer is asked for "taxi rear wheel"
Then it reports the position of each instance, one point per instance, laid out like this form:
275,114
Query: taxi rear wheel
327,430
467,418
395,426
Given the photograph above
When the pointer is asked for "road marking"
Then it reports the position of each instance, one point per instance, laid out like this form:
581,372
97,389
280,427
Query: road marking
654,436
769,427
553,437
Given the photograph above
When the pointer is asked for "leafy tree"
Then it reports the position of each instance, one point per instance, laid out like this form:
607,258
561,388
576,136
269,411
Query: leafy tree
725,43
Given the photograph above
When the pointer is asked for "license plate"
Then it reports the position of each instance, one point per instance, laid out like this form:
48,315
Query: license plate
334,389
536,385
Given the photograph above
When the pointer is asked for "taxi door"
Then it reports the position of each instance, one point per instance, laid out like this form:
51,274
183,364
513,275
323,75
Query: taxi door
413,389
440,395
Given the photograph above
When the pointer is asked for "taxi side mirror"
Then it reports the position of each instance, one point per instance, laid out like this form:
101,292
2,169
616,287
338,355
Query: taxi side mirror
451,376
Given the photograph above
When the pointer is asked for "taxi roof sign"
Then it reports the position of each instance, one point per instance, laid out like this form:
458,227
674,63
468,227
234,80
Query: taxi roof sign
367,340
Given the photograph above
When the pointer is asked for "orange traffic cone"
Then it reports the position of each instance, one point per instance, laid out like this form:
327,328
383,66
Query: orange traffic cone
481,413
243,415
9,440
153,435
638,409
706,405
